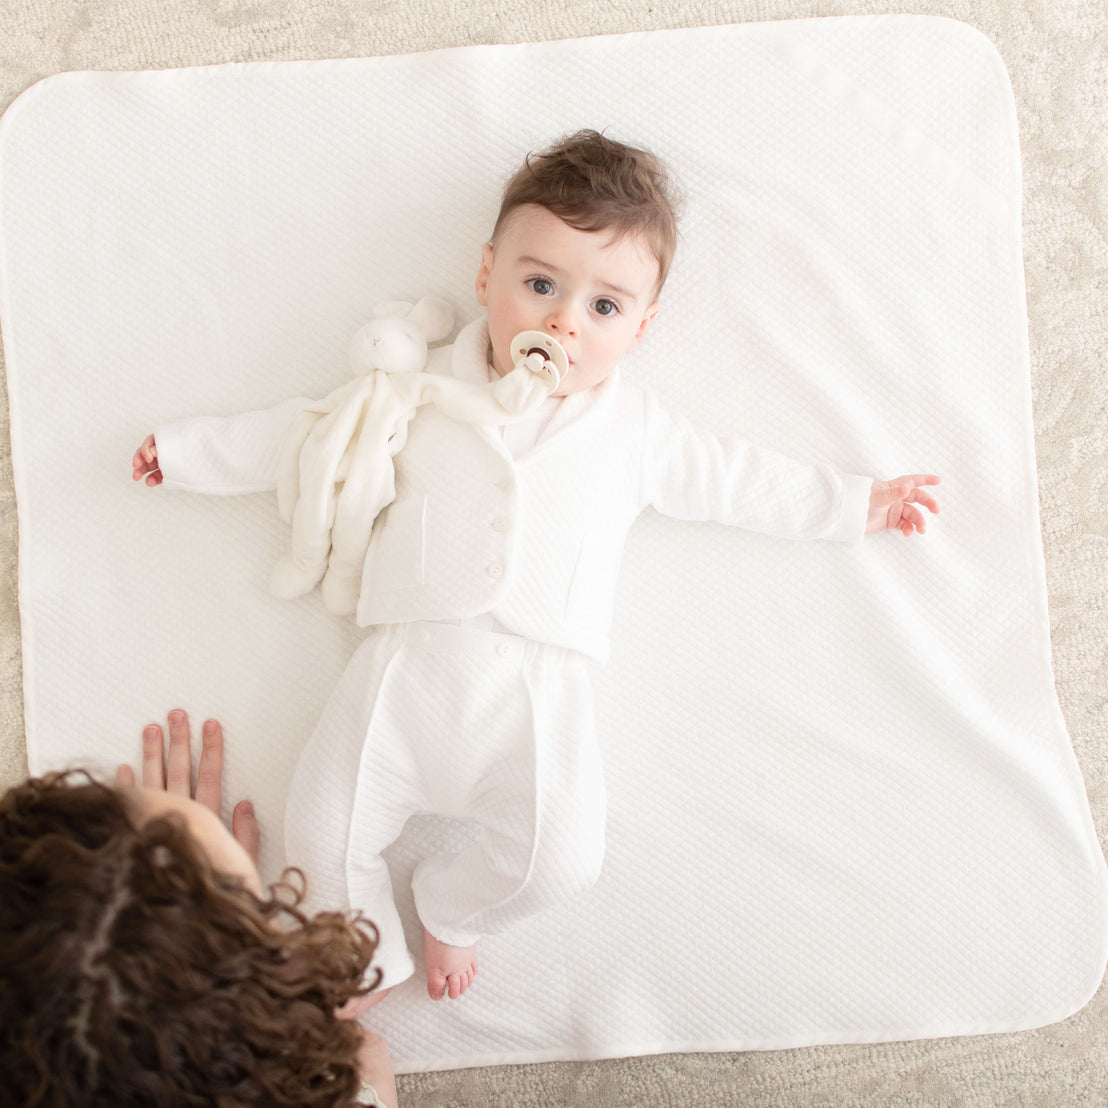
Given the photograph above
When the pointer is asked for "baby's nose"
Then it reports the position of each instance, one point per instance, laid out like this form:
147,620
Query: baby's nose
562,321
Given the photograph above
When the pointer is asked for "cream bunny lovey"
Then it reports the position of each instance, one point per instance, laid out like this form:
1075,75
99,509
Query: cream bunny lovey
336,473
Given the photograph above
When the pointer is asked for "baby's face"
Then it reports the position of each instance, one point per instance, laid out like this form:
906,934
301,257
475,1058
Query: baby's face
590,291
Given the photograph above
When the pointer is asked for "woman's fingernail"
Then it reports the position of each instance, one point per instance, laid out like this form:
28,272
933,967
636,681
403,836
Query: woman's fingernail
150,731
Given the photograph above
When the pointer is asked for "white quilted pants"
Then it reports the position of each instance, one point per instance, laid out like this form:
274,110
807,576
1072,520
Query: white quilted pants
472,724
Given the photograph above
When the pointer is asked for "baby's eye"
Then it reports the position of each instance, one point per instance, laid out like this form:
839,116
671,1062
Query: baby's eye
541,285
604,306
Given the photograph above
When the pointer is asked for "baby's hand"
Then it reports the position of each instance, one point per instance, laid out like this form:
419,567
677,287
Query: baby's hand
145,463
892,504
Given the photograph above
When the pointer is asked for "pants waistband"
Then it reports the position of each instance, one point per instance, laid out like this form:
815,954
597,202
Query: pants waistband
450,639
447,638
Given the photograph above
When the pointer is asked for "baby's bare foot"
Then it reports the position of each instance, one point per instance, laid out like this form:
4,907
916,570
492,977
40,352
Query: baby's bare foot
449,968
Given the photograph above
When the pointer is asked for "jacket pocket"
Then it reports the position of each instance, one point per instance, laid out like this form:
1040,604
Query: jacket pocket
396,552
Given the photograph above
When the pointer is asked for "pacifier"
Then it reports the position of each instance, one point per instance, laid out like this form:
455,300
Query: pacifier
542,355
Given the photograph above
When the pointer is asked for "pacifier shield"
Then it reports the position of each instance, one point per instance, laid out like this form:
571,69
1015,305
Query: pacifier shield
527,343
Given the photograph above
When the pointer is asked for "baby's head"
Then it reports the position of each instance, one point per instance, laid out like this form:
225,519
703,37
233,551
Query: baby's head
582,245
595,184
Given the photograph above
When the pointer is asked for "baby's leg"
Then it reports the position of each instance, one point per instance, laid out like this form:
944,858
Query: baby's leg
351,794
539,801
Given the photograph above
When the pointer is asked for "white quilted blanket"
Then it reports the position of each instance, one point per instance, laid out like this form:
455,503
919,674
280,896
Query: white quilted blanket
843,803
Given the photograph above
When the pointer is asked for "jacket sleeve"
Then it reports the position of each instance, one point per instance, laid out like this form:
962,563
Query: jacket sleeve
225,455
692,474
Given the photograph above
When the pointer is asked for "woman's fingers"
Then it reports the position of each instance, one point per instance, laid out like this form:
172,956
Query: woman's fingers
153,755
209,775
244,826
178,776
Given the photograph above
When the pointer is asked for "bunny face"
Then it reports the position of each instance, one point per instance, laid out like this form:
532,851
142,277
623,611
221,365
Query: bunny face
396,345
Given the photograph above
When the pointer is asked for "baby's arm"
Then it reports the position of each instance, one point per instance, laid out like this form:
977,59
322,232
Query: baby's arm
696,475
220,455
692,474
892,504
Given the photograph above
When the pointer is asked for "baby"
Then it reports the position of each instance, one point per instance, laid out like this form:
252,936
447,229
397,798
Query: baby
488,584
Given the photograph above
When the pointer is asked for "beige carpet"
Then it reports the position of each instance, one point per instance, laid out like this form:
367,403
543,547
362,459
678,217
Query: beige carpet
1057,55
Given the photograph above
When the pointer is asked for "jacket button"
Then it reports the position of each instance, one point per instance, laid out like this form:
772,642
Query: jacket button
495,570
500,524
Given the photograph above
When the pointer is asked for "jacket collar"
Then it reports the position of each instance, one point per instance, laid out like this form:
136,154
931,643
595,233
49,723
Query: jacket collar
471,352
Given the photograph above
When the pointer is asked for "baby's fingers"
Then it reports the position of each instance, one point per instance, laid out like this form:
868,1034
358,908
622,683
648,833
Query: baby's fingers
912,519
907,483
145,462
927,500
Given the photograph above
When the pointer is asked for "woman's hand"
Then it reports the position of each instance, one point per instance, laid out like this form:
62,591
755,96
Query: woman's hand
173,773
376,1066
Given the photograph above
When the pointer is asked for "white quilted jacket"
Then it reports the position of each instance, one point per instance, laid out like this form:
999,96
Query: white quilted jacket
535,540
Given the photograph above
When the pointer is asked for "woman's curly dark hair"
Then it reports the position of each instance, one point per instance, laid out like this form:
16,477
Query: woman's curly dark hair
132,973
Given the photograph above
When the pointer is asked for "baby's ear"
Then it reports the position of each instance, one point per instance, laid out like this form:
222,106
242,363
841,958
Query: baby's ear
483,273
647,319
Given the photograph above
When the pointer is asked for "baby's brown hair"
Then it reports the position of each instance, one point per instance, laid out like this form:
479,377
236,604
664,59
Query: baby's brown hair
594,183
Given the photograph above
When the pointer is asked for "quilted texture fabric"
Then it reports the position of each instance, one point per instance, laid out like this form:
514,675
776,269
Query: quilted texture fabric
843,803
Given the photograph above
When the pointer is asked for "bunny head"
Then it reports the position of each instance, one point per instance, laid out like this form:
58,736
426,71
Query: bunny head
397,336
